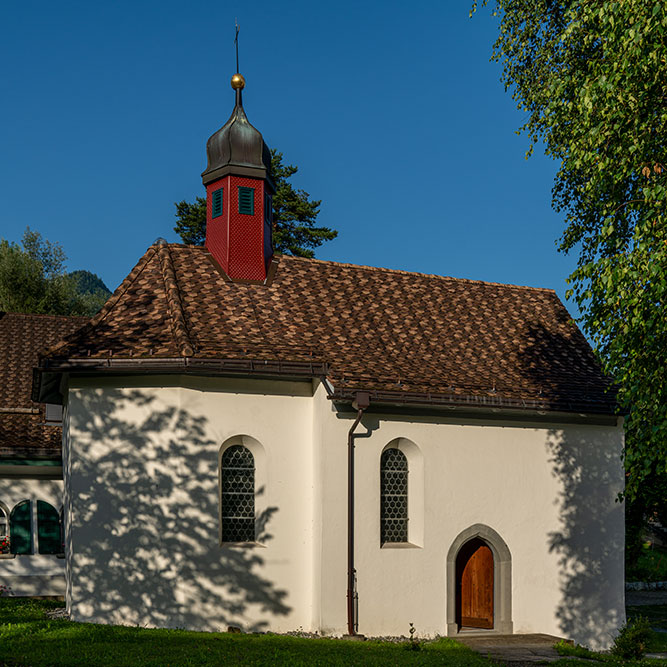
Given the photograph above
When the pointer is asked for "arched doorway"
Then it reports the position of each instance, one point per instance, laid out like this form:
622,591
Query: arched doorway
479,580
474,585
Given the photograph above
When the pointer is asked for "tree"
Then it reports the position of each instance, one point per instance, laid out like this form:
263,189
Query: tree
33,280
590,77
294,216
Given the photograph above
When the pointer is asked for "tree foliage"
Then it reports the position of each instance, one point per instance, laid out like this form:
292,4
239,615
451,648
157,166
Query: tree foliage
294,216
590,77
33,280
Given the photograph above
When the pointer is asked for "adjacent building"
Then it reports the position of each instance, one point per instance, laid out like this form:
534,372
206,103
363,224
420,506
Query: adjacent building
31,545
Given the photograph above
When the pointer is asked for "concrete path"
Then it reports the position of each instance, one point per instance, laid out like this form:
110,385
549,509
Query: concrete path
513,649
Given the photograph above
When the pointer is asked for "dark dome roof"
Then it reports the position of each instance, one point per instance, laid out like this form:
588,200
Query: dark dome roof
237,148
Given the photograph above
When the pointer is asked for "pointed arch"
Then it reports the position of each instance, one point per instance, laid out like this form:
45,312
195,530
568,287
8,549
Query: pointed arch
502,571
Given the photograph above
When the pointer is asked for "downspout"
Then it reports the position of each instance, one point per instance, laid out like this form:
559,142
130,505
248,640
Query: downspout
361,402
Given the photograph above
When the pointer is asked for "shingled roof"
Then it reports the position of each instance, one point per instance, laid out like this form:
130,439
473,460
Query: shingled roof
22,338
404,337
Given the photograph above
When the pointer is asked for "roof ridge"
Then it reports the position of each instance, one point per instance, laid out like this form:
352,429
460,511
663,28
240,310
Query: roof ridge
43,315
388,270
416,273
174,301
108,304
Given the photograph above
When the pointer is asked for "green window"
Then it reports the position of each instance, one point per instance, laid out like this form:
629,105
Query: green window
48,529
20,529
216,201
247,200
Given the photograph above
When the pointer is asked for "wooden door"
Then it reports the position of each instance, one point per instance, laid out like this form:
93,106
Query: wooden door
475,585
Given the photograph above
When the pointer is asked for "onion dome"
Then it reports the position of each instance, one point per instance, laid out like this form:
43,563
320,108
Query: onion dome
237,147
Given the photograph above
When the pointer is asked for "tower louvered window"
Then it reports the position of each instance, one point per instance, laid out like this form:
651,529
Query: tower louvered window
246,200
237,494
216,203
394,496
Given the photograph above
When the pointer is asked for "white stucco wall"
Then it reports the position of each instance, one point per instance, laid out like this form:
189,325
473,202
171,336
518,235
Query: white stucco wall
548,490
32,574
142,477
143,545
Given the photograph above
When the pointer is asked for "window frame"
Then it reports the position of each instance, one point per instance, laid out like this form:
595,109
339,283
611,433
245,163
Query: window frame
384,495
215,205
250,192
4,518
222,492
31,537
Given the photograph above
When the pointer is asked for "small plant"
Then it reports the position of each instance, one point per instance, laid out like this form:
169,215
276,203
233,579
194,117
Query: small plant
632,639
5,591
413,644
4,544
566,648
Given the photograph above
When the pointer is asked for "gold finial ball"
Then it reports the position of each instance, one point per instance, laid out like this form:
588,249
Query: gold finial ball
238,82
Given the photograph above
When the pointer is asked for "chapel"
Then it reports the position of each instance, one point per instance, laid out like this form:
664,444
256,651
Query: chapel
275,442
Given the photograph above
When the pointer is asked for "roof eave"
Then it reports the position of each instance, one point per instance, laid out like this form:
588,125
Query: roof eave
47,378
481,404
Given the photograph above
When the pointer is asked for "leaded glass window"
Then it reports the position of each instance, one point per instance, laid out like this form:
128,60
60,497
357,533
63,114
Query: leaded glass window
237,494
394,496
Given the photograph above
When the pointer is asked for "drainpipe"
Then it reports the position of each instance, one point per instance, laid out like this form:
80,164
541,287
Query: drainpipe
360,403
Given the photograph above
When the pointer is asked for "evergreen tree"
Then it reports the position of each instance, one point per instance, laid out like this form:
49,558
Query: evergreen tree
294,216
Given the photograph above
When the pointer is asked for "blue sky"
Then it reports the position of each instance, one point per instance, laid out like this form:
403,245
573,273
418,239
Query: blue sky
392,111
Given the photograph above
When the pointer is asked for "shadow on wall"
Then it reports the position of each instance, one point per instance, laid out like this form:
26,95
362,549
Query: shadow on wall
590,544
144,523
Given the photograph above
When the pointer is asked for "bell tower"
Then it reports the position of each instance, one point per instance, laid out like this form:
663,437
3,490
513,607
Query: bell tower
239,194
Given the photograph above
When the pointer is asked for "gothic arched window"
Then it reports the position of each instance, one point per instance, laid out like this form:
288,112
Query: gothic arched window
237,494
393,496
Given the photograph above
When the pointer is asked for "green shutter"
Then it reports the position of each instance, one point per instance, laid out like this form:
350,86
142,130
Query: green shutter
48,529
217,203
247,200
20,533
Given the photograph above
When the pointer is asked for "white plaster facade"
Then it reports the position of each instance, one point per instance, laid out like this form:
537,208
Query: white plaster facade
142,500
32,574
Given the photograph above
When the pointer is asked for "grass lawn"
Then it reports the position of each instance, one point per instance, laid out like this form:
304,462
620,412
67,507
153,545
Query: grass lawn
657,616
28,637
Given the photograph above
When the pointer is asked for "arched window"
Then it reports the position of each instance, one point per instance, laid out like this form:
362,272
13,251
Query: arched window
48,529
393,496
4,530
20,529
237,494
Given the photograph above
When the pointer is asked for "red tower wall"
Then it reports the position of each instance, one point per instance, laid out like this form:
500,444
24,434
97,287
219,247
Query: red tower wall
236,240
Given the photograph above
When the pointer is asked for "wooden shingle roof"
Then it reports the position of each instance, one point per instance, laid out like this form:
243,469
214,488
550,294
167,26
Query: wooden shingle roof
405,337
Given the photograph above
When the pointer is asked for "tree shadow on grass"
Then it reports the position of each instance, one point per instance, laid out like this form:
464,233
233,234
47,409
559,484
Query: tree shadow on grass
143,529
